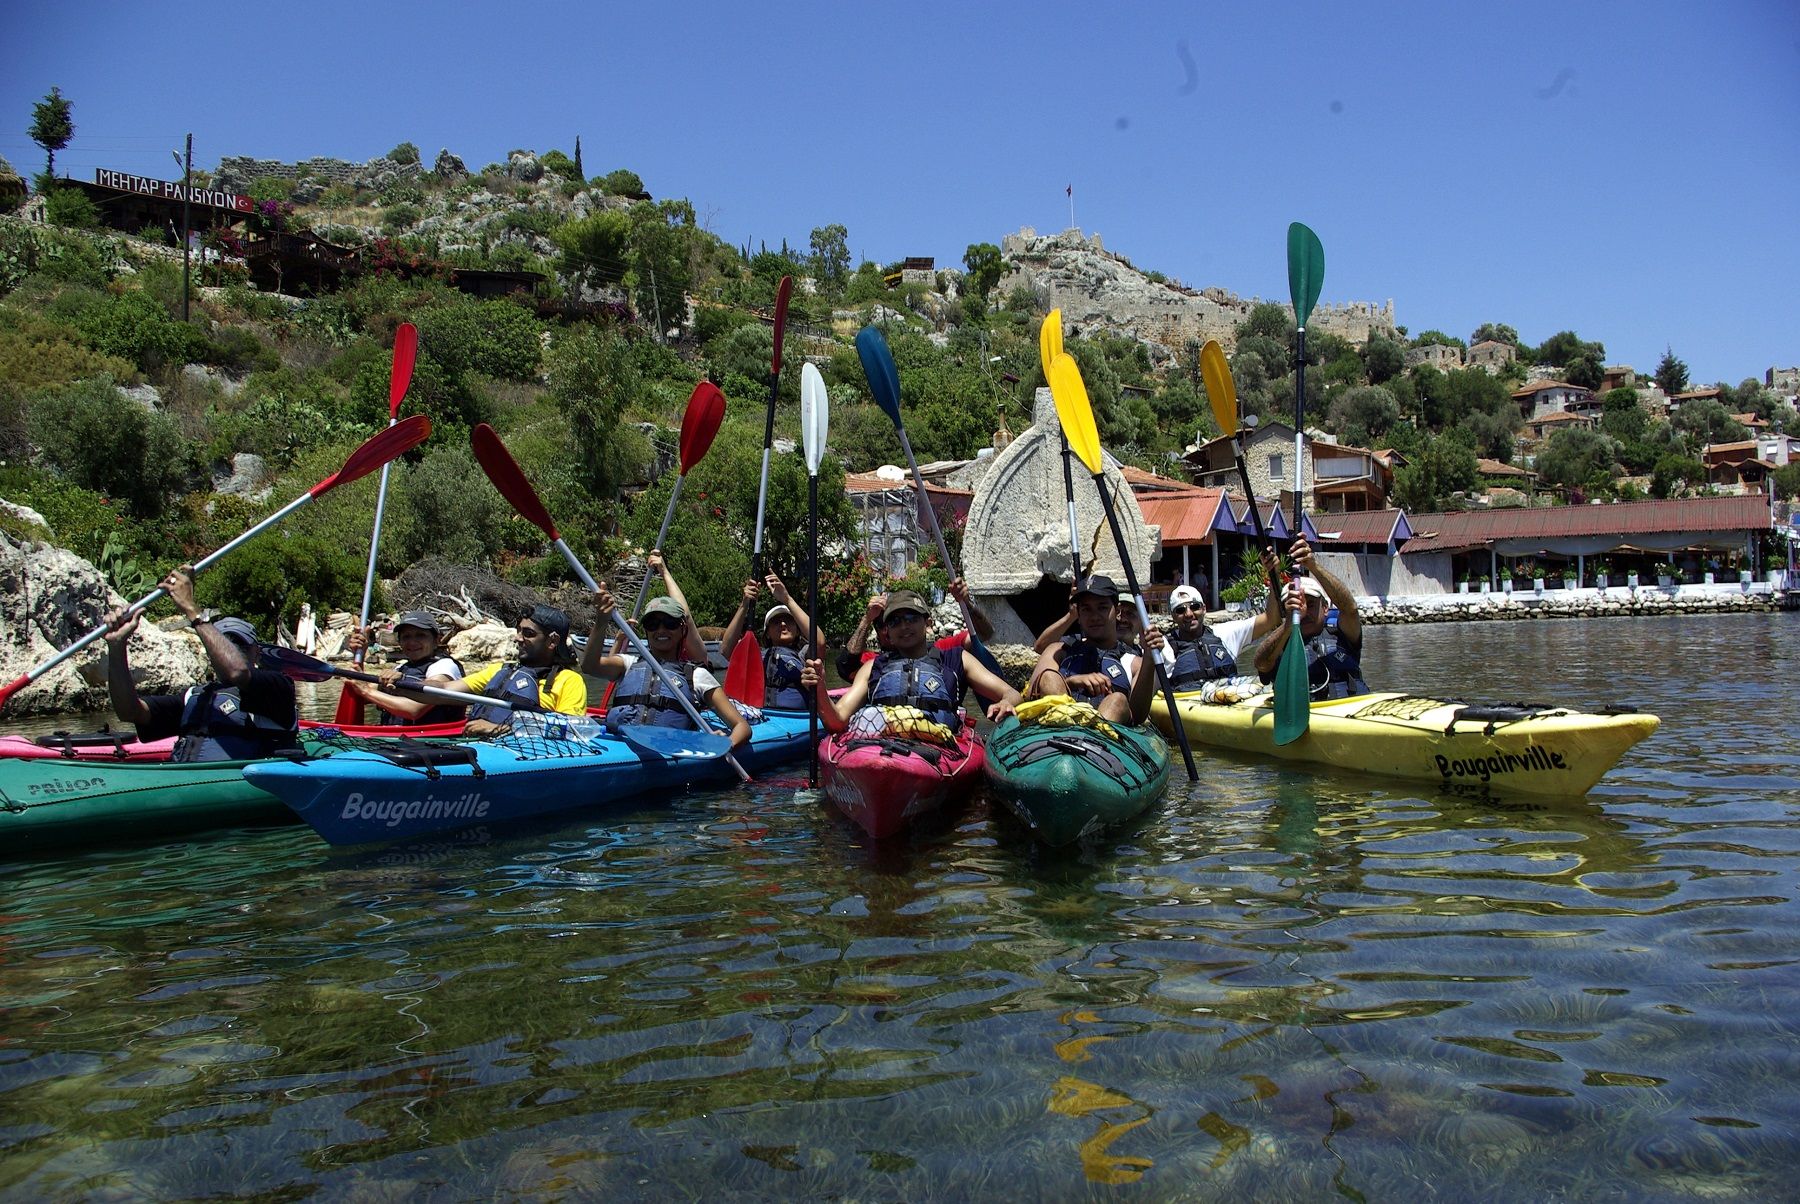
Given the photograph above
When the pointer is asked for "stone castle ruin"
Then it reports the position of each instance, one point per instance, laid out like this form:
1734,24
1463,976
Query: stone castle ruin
1098,290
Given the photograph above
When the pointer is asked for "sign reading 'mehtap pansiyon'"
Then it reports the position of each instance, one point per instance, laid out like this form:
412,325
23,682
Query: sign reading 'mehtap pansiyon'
172,190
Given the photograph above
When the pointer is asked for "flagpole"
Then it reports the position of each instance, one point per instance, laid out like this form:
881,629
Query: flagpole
1071,191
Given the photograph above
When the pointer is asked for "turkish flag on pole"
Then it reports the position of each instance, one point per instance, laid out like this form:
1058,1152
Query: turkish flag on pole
1070,190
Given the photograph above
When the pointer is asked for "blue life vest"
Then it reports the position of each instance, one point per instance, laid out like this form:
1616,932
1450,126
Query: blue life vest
1333,670
781,679
412,673
933,683
1204,659
1081,655
642,698
216,727
515,683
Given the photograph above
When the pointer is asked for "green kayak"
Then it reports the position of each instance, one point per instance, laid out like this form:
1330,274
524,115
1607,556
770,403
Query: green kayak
53,801
1068,773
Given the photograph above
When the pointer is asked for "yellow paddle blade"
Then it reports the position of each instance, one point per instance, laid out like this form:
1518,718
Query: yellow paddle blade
1074,410
1220,389
1050,340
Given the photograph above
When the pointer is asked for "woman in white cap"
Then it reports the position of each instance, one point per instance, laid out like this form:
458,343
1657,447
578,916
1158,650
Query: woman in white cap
787,633
1333,654
244,713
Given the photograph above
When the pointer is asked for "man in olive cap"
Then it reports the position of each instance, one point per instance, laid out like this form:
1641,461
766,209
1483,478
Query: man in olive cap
243,714
421,661
642,696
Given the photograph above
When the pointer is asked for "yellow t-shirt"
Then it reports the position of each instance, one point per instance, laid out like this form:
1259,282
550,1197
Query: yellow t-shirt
566,693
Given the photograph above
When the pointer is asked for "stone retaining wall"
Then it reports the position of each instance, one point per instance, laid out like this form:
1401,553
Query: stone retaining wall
1575,604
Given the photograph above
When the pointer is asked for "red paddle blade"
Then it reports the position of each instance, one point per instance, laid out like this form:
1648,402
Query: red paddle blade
705,411
744,677
406,350
782,292
349,709
390,444
504,472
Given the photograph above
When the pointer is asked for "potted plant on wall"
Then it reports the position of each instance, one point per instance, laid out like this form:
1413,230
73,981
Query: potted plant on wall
1570,578
1665,576
1462,582
1776,565
1602,570
1631,577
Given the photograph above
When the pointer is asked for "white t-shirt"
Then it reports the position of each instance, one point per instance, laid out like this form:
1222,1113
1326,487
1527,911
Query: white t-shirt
1234,635
704,681
444,667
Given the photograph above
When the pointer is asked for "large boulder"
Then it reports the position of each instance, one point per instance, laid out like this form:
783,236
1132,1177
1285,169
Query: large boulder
448,166
49,598
483,644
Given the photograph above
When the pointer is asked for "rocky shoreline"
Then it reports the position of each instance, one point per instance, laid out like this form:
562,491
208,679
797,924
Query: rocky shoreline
1578,604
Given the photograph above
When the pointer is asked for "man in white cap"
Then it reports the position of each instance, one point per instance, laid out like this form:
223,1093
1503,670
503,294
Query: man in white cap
787,633
1204,653
243,714
1333,654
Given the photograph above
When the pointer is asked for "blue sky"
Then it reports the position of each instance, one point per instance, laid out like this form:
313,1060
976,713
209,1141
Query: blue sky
1629,171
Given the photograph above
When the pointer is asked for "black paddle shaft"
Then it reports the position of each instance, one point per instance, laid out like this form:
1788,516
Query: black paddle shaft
1131,582
812,615
1069,496
1262,533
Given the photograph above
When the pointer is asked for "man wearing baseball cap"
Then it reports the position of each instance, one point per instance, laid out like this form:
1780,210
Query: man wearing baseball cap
422,660
1333,654
1204,653
1094,667
541,678
243,714
911,671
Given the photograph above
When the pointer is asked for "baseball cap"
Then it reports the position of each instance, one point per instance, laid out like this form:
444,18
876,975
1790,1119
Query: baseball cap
906,599
550,619
665,605
1099,585
417,618
235,629
777,611
1184,595
1311,586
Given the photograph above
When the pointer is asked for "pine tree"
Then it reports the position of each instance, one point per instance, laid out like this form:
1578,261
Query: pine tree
51,127
579,174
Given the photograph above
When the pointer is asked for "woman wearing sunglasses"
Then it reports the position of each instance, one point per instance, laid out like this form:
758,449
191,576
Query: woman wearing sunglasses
787,630
642,696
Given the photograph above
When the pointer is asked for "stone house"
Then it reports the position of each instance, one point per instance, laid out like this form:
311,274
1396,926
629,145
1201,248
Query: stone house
1335,477
1491,356
1538,430
1744,466
1541,397
1435,355
1783,381
1617,376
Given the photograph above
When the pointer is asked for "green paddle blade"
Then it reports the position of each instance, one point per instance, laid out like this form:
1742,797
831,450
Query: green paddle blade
1293,692
1306,271
1221,390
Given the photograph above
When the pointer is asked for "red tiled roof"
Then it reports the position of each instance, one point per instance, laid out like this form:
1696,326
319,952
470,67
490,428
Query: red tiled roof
1138,478
1365,526
1560,416
868,482
1694,394
1538,386
1494,468
1474,528
1186,518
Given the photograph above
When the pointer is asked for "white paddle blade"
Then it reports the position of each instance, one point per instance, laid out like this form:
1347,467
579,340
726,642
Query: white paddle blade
815,416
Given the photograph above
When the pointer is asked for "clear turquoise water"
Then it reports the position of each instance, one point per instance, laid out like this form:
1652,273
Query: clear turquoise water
1279,985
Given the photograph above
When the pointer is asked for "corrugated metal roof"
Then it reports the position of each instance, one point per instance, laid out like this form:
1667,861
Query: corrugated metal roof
1187,518
1363,526
1674,516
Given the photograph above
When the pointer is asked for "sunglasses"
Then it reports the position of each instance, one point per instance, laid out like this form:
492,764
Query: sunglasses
661,623
904,616
1184,608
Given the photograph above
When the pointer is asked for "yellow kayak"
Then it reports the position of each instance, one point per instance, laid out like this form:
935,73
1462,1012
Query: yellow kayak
1512,749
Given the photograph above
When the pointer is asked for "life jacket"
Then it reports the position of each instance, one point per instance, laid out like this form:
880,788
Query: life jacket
515,683
933,683
781,679
412,673
1332,671
216,727
642,698
1204,659
1082,655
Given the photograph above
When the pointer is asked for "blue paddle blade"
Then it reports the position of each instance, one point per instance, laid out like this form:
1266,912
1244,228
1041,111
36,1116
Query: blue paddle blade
878,366
676,744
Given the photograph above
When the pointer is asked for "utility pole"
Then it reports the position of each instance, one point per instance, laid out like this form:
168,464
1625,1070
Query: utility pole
187,228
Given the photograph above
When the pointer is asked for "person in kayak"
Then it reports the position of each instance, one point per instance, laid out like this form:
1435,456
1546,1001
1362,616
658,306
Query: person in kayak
1094,666
857,652
1334,653
912,671
540,679
243,714
787,631
642,697
693,648
1204,653
424,660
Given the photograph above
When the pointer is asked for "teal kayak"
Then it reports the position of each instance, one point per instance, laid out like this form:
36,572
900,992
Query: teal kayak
1070,774
51,801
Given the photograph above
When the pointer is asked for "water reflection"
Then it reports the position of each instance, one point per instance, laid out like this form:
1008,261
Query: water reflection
1277,983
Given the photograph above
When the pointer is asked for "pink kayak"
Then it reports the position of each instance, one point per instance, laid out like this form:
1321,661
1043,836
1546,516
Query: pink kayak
103,745
885,783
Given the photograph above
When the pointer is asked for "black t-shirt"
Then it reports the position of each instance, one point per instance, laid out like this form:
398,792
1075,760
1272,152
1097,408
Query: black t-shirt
267,693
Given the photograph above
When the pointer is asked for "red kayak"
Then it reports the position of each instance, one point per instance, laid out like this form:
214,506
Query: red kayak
885,783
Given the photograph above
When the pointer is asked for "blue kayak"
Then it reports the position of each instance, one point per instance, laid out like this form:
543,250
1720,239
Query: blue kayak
371,790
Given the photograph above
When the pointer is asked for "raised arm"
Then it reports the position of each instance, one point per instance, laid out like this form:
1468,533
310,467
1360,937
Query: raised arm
1349,619
740,619
802,620
859,642
694,646
127,704
1271,616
